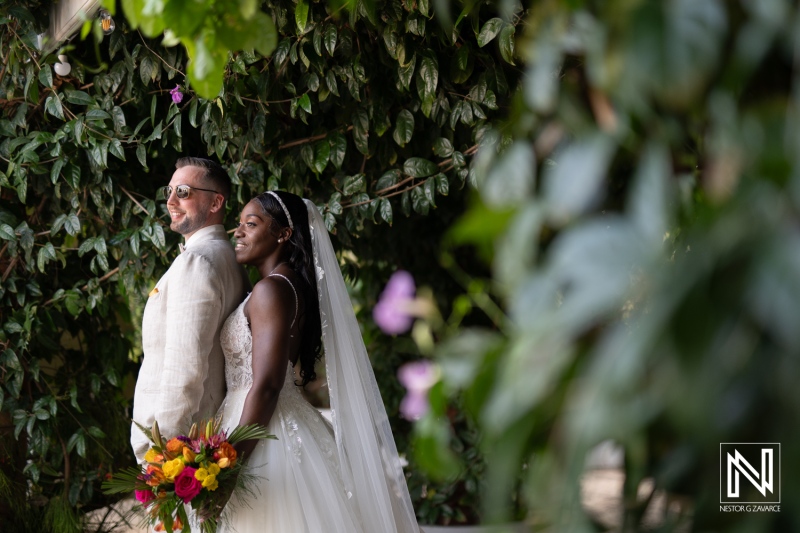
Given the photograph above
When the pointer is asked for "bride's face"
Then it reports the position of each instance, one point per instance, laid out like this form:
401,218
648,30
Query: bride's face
255,239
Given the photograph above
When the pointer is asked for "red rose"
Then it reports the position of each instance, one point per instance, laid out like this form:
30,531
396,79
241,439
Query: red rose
145,496
186,486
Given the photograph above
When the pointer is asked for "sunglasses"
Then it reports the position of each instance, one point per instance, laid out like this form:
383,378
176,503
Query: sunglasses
181,191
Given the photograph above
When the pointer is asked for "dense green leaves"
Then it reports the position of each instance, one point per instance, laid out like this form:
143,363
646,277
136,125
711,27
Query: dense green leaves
208,31
360,112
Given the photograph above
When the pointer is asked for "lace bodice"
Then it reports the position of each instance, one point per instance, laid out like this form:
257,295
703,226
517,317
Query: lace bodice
237,344
236,340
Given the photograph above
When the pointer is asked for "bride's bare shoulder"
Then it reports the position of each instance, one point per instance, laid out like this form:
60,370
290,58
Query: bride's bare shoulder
270,296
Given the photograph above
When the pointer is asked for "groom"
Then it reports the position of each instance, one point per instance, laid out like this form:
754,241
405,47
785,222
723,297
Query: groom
182,378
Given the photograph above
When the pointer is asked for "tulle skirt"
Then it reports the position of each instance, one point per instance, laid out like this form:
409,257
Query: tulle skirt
299,487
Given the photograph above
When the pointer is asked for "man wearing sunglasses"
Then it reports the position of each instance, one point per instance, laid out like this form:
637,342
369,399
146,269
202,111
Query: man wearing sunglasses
182,378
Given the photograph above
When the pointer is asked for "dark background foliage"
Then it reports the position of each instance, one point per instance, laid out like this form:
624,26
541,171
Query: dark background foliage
373,115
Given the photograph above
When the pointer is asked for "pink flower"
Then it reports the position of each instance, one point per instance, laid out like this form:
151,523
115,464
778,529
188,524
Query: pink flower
418,378
391,312
186,486
214,441
177,95
144,496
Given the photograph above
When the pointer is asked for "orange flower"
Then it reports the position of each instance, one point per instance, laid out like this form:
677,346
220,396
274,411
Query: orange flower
175,446
188,454
225,455
176,525
156,476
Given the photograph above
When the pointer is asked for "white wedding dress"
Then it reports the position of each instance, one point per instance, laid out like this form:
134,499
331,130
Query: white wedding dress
300,487
344,477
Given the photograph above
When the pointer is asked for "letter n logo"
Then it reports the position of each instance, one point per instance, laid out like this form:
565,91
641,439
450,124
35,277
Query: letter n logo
750,472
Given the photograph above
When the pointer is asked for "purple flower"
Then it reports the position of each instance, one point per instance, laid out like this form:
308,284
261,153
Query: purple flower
417,378
391,312
177,95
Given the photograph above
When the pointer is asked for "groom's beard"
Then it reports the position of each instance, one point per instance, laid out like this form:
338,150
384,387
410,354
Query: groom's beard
189,224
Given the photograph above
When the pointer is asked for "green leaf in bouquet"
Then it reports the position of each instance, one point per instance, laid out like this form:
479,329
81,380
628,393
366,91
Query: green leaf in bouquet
126,480
144,430
251,431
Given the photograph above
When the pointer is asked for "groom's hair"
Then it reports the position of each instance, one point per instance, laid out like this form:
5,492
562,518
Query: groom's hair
214,175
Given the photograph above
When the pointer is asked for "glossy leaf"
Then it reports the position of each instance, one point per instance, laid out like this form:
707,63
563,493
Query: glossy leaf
46,76
506,42
353,184
361,130
385,210
301,15
331,36
78,98
428,75
489,31
338,149
7,232
389,179
404,128
305,103
419,168
442,147
53,106
322,153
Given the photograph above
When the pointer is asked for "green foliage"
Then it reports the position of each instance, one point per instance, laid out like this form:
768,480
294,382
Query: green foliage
373,114
640,214
209,30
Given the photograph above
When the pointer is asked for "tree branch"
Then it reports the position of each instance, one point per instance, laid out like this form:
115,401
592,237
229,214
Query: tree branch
134,200
379,194
158,56
298,142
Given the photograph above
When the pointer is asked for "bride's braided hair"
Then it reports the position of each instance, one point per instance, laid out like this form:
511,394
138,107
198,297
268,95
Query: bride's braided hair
301,260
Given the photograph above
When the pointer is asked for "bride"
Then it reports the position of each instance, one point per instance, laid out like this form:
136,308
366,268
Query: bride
317,477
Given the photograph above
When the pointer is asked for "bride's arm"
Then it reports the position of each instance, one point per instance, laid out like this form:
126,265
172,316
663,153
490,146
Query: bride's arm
269,311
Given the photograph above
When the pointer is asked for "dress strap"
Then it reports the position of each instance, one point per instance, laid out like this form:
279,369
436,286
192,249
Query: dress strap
295,296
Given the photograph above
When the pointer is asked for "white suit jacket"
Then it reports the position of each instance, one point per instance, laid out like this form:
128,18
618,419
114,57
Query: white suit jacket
182,377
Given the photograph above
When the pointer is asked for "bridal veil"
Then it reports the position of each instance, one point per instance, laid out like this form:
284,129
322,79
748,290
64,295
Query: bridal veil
370,465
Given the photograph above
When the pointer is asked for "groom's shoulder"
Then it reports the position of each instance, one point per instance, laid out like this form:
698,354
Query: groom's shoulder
216,252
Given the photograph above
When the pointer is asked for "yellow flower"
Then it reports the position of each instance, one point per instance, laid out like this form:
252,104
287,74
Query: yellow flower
201,474
210,482
152,456
213,469
173,468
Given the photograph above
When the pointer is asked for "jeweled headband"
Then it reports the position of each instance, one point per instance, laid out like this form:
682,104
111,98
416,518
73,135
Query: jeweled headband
285,211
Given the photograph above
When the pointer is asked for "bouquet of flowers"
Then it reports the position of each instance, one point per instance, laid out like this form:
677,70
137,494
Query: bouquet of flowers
200,469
